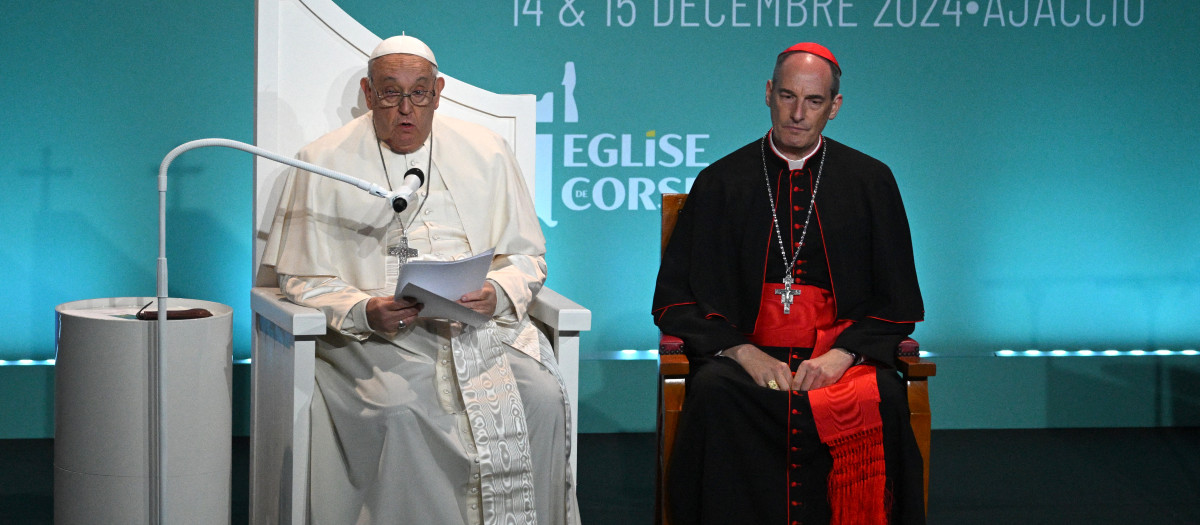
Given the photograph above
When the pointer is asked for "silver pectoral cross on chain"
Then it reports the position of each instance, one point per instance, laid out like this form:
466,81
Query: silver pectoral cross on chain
786,293
402,250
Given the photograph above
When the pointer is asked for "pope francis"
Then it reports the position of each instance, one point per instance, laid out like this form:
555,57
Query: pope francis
420,420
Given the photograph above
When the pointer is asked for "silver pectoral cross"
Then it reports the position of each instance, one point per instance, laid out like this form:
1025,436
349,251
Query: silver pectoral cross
786,293
402,251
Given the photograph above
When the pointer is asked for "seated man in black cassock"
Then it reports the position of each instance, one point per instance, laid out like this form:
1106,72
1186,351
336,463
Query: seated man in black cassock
790,279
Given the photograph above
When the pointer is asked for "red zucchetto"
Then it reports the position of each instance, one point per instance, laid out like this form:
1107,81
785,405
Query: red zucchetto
815,49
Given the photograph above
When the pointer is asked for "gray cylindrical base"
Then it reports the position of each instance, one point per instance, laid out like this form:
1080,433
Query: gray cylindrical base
102,394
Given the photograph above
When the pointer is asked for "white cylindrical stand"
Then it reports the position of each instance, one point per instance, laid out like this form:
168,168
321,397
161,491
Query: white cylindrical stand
102,448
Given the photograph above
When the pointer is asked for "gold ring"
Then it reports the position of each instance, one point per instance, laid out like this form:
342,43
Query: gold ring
772,385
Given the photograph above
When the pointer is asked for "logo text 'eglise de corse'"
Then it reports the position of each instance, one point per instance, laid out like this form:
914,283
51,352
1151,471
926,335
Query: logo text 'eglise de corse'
607,150
625,189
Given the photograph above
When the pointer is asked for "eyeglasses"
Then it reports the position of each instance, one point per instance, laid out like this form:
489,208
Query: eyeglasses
391,99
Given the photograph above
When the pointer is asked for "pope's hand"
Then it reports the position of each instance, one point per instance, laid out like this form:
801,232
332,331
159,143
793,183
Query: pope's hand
482,300
386,314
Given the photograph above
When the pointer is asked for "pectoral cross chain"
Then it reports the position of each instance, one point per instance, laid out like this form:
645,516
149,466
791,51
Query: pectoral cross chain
402,251
786,293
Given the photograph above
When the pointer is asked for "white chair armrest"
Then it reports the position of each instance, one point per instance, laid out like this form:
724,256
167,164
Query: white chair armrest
559,313
293,318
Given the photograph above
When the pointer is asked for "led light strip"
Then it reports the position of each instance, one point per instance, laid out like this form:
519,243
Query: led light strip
50,362
1092,353
26,362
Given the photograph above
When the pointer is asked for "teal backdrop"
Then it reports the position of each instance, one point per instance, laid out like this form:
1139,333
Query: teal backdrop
1045,149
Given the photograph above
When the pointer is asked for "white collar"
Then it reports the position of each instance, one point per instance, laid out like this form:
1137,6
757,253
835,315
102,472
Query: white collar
797,164
415,159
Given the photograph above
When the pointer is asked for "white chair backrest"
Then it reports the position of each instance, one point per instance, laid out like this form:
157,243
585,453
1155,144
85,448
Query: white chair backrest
311,55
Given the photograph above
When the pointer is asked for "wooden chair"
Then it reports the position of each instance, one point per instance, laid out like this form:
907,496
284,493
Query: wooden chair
673,371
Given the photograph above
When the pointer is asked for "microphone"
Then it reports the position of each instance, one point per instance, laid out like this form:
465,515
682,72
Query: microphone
413,179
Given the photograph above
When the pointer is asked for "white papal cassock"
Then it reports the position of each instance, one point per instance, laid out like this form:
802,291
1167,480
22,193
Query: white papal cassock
440,423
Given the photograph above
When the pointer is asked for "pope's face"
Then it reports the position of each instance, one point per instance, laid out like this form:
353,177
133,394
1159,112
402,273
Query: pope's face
406,126
801,103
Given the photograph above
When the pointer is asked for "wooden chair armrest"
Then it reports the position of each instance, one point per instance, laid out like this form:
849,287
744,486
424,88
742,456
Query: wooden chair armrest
914,368
673,365
671,360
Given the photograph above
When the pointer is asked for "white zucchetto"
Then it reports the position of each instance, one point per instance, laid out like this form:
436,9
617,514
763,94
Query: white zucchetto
404,45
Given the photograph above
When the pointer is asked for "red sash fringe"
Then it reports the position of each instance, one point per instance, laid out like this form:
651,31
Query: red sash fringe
848,421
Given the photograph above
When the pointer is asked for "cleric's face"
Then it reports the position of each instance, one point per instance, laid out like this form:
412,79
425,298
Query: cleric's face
406,125
801,103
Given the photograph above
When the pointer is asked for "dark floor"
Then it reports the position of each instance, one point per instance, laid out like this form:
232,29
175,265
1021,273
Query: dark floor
979,477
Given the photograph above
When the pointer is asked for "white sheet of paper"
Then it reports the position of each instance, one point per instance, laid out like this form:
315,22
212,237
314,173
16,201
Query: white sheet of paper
439,284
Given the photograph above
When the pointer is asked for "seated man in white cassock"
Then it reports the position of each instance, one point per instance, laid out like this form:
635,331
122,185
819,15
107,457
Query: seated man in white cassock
415,419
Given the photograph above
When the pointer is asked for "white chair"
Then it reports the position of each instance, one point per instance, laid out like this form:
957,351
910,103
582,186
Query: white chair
310,56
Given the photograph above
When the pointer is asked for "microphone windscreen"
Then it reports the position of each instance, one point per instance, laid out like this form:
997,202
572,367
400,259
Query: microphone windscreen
416,171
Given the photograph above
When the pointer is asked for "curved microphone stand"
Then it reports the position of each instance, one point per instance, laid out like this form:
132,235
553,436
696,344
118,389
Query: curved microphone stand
158,471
